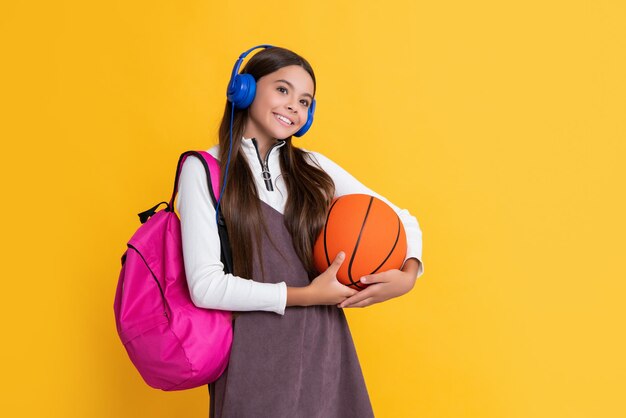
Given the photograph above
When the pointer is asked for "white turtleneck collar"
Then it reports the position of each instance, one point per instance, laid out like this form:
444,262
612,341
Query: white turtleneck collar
264,169
266,172
248,144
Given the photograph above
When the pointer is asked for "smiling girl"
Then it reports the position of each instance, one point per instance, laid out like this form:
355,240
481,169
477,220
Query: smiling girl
292,353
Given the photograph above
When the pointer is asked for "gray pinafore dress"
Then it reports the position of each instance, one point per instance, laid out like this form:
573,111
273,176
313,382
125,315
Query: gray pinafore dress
302,364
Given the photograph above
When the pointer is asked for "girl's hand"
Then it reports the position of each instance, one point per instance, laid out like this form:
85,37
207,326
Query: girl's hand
325,289
388,284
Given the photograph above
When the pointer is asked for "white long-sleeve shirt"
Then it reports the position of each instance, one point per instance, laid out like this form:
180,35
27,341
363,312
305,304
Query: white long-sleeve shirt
209,286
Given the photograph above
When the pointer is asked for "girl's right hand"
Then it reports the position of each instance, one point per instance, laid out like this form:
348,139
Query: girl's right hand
325,289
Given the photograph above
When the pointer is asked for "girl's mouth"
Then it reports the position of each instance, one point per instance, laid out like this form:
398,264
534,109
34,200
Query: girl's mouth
282,120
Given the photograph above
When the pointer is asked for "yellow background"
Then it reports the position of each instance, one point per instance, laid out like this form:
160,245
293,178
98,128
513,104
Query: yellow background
499,125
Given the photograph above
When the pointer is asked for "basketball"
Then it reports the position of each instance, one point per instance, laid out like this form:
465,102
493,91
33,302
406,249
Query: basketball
370,234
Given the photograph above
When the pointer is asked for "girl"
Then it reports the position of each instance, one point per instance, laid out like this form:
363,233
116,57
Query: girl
301,361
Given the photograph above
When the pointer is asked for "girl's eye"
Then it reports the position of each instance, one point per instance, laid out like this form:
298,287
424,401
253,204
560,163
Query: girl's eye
282,89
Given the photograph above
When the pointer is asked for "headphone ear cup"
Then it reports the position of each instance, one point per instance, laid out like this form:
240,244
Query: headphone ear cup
243,91
309,121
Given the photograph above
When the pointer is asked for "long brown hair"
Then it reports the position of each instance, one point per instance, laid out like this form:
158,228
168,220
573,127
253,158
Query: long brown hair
310,189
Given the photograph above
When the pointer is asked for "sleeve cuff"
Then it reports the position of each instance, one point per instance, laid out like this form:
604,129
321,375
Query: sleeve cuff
282,298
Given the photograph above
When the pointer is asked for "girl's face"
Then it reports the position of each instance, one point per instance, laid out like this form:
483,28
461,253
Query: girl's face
280,105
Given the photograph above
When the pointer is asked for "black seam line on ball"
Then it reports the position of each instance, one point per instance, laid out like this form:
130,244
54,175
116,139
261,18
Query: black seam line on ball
358,285
392,248
325,227
356,247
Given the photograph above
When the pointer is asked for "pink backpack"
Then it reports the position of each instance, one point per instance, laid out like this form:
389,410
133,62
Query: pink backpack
173,344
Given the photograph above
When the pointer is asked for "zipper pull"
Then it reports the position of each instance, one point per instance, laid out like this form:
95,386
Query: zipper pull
267,177
266,172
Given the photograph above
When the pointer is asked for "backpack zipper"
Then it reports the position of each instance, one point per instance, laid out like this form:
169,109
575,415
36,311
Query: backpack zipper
153,276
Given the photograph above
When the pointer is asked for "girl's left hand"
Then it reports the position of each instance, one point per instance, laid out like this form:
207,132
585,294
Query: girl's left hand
386,285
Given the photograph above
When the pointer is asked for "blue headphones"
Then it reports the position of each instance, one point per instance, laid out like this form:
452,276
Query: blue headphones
242,88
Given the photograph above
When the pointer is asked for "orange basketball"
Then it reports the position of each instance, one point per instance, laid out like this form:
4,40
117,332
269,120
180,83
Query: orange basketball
368,231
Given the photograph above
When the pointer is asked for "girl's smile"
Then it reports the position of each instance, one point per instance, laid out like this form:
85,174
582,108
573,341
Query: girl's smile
283,119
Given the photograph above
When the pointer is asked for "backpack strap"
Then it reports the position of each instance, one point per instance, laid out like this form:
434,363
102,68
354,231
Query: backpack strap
212,168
